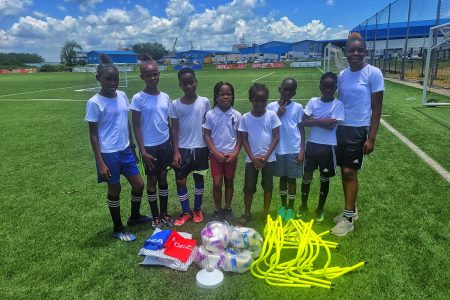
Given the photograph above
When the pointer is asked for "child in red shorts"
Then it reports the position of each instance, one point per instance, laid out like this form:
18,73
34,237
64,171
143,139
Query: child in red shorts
224,142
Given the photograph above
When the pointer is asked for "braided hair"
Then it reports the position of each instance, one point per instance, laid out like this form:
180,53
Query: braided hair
217,90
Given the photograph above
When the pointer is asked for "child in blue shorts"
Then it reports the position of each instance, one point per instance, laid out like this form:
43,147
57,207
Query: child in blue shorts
112,143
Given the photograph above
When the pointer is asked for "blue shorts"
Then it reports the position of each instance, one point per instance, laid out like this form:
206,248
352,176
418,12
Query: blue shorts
121,162
286,165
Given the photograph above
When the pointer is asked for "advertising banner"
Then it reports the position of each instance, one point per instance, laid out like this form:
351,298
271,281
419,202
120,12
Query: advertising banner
231,67
4,71
305,64
274,65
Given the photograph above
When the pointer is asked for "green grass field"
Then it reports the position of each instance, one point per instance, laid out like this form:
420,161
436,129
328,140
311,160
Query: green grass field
55,236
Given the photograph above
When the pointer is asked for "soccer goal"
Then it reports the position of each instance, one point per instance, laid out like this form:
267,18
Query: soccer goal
334,59
437,67
91,83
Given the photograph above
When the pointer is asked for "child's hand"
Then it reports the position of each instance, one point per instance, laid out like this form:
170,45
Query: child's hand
257,164
148,160
177,159
104,172
231,157
368,146
300,157
219,156
281,111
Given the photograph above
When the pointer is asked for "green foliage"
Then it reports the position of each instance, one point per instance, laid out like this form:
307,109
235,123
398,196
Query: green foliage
54,68
68,53
19,59
155,50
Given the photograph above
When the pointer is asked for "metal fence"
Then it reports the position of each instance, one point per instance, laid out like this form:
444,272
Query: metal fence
397,38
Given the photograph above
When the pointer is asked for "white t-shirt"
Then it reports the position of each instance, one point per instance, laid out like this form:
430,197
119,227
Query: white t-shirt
259,130
154,111
190,119
318,109
355,90
224,127
111,114
289,133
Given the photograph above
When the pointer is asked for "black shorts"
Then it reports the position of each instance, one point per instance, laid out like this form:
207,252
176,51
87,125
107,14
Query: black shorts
164,156
350,146
195,159
251,177
322,156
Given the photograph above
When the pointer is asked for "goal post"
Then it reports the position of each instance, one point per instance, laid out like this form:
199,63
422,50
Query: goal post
91,83
334,59
437,67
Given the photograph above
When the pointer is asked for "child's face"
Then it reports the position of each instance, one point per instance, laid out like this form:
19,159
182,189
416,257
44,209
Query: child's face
188,84
109,80
328,88
287,90
259,101
150,75
224,97
355,53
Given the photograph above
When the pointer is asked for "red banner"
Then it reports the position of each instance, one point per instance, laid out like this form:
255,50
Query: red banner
274,65
25,71
4,71
231,67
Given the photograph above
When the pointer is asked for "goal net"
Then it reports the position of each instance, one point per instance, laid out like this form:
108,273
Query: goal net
334,59
436,83
91,83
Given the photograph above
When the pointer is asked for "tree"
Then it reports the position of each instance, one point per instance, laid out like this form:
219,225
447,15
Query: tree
155,50
68,53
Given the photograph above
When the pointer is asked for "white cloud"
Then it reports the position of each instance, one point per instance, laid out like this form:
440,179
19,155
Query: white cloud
62,8
13,7
86,5
330,2
39,14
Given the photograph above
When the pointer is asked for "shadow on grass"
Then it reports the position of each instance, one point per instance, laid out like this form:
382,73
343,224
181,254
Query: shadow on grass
422,109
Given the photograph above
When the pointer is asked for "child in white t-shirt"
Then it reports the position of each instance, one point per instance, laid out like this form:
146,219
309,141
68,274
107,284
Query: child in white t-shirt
224,142
290,151
322,114
190,153
150,109
112,143
260,135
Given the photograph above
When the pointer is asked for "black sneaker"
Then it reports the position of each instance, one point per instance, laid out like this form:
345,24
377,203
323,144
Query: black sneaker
166,219
228,215
156,223
217,215
141,219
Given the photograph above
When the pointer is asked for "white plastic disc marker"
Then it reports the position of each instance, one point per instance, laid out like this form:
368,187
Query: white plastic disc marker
209,278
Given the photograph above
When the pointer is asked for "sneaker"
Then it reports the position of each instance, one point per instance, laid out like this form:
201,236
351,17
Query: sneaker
166,219
228,215
342,228
217,215
182,219
302,213
141,219
341,217
124,236
281,212
156,223
289,214
198,215
320,216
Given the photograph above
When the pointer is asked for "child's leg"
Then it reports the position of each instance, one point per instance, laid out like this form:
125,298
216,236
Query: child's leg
324,188
137,188
217,192
292,191
183,195
151,195
267,184
283,191
229,190
114,206
163,191
199,187
251,178
306,184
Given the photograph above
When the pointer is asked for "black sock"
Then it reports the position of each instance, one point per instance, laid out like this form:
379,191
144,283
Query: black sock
163,192
291,201
135,204
153,203
306,184
283,196
324,188
114,210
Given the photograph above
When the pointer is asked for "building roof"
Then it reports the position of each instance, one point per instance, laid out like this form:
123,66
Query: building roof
113,52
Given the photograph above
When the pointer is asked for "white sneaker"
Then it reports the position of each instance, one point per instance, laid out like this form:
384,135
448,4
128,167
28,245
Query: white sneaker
342,228
341,217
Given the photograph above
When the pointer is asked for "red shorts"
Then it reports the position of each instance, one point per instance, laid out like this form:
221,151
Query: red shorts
222,168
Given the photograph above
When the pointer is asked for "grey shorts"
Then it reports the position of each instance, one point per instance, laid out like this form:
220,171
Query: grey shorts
251,177
286,165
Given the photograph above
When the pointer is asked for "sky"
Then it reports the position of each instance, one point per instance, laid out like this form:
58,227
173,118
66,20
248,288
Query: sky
42,27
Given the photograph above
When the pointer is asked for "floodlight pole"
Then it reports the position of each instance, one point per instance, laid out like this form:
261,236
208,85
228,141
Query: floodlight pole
406,42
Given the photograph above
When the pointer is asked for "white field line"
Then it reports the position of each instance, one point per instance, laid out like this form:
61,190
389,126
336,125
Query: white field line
419,152
321,71
262,77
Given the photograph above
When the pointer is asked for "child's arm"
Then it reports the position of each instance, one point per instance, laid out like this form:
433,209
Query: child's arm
376,103
273,144
256,162
176,152
218,155
93,136
147,158
234,155
325,123
132,145
301,155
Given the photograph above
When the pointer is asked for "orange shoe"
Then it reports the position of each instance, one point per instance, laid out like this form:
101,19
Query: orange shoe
198,216
182,219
